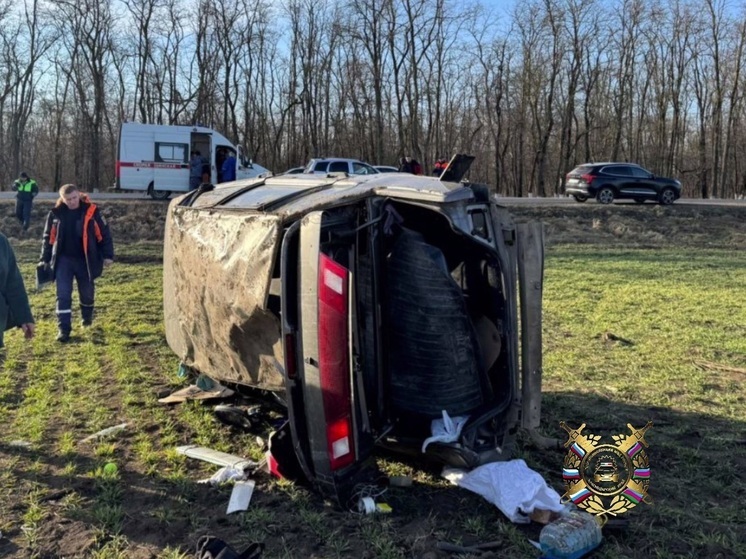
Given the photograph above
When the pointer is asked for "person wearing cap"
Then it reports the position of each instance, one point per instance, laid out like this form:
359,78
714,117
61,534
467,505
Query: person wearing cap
14,307
26,190
77,244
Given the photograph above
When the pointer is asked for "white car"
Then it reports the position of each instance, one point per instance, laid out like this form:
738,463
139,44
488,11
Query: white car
323,166
386,169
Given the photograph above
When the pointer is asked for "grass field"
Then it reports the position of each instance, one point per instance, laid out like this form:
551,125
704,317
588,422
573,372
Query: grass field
682,313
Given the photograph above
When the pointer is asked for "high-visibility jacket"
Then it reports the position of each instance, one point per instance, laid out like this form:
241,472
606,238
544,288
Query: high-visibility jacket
26,190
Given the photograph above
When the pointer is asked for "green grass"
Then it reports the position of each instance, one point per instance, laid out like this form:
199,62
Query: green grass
675,308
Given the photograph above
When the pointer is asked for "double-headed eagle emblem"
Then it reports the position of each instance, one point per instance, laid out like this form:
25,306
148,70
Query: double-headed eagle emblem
606,479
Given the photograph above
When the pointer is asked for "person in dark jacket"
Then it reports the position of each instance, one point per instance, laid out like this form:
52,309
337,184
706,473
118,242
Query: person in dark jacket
77,244
14,307
26,190
228,168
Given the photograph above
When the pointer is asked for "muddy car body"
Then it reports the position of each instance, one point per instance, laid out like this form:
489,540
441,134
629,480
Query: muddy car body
370,304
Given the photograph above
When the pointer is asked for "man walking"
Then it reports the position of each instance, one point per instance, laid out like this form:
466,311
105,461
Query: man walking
14,307
27,190
77,244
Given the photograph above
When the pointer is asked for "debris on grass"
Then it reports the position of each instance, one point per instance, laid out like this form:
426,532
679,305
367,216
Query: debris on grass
105,433
241,496
512,486
215,457
194,392
709,365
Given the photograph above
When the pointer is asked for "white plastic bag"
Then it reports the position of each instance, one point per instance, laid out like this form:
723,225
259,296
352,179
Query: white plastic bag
512,486
446,430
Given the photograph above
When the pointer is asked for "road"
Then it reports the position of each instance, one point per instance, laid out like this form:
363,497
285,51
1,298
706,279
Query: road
503,200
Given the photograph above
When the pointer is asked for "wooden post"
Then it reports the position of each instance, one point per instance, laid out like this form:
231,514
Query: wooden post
530,237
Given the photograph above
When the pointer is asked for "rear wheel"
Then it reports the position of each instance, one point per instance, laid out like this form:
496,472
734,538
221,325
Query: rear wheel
159,194
579,198
639,200
605,195
667,197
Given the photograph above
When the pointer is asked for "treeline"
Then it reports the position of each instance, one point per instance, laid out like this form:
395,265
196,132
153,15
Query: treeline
531,93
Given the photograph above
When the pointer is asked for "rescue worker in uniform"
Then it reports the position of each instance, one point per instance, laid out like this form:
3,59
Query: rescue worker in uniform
77,244
26,190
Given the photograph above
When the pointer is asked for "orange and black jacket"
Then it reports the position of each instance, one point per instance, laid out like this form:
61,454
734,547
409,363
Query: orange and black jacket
94,232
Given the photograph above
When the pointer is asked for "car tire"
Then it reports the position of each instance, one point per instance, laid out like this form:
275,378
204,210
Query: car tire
667,197
579,198
639,200
605,195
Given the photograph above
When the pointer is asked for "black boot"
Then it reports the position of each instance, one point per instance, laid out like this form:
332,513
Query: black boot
63,337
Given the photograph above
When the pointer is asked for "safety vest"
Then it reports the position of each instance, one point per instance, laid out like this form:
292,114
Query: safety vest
26,186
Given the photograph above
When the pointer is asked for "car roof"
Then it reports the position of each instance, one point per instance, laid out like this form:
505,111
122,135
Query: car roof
602,163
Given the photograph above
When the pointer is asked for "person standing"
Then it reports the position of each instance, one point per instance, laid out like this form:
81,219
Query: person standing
229,168
77,244
14,307
196,165
26,190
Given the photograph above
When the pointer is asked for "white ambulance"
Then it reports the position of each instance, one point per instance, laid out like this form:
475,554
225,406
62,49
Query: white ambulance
160,159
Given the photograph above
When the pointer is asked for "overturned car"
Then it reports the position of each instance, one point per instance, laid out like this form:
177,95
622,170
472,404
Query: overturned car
370,304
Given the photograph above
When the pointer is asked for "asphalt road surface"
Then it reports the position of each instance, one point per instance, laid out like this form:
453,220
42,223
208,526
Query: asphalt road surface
504,200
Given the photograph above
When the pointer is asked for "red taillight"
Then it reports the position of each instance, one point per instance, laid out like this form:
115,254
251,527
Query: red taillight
587,178
118,168
334,364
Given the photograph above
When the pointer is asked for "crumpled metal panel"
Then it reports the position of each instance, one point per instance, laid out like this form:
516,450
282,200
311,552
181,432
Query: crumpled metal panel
217,269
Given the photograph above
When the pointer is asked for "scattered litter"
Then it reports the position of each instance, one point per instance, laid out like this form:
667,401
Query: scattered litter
512,486
363,499
105,432
225,474
611,337
400,481
233,415
195,392
446,430
571,536
241,496
210,547
20,444
537,545
214,457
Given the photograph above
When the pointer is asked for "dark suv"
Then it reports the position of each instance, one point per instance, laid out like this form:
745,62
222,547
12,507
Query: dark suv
607,182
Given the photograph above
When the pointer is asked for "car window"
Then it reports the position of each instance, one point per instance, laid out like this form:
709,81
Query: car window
338,167
639,173
619,170
362,169
321,166
581,170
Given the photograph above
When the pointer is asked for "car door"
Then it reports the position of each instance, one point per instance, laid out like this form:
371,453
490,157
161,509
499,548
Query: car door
644,185
324,393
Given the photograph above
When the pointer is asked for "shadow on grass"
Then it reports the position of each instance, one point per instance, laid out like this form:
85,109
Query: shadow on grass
698,485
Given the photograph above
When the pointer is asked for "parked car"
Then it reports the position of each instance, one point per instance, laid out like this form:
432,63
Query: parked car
369,304
339,165
294,171
607,182
386,169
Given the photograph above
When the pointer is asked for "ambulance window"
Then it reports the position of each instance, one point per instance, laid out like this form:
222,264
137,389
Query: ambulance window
171,153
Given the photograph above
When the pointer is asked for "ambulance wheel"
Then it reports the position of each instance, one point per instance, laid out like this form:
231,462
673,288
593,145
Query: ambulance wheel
158,194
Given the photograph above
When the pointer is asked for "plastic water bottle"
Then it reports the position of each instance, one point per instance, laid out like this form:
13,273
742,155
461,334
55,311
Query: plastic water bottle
571,536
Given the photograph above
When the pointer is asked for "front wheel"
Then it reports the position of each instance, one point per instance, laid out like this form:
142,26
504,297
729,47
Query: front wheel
667,197
579,198
605,195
